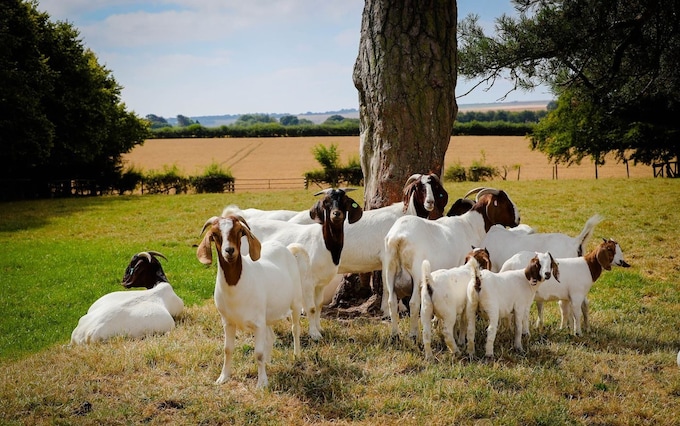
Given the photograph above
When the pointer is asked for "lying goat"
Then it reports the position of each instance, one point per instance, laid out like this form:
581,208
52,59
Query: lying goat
253,291
505,295
132,313
444,294
578,274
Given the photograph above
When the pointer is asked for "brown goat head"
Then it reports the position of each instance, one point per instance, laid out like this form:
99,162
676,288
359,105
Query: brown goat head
144,270
481,255
416,189
540,268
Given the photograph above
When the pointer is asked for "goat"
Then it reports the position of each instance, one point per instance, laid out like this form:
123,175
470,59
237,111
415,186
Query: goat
503,243
132,313
324,244
505,294
578,275
444,242
253,291
444,293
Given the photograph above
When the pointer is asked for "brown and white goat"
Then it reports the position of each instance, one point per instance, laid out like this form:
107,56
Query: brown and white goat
508,294
444,293
578,274
253,291
443,242
425,196
132,313
324,244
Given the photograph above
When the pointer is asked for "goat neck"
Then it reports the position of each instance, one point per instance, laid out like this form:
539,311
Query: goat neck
497,209
601,258
334,237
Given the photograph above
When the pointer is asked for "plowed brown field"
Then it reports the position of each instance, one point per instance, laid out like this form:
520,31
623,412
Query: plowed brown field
273,158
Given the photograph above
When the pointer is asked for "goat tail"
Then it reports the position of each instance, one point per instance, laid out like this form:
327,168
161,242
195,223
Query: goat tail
301,258
476,274
426,281
587,232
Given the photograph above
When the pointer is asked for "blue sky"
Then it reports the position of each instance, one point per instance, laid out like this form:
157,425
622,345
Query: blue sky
214,57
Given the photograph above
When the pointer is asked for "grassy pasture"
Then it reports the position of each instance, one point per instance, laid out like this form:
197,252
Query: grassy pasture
58,256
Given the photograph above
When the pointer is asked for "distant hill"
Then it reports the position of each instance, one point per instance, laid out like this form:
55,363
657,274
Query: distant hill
320,117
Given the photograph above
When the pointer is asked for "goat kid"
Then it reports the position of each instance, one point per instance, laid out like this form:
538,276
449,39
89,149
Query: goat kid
444,293
505,295
444,242
578,274
132,313
253,291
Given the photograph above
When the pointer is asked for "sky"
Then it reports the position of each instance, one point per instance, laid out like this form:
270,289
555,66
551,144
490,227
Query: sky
216,57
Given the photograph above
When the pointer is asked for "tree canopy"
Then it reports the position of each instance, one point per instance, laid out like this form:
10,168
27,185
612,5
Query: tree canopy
611,63
62,117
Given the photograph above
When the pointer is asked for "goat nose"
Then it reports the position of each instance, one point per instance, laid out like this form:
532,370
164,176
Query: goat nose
229,251
547,275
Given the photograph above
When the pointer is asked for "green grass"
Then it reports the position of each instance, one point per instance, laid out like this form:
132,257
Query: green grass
58,256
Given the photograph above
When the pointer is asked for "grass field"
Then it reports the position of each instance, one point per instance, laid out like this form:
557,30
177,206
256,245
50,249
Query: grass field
60,255
256,158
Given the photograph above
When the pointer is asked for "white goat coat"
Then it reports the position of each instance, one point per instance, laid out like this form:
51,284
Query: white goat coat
444,293
134,313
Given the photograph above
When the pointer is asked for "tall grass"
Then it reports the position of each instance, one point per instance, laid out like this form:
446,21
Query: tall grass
58,256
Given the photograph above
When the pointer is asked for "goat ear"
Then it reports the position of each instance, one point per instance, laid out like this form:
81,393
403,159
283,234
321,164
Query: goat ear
316,212
604,258
354,211
555,268
204,251
254,246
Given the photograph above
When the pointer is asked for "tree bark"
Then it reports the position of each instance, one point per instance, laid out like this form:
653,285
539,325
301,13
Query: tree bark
406,77
405,73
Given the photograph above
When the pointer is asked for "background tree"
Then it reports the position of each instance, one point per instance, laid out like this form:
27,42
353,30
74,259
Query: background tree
184,121
289,120
62,117
406,74
612,64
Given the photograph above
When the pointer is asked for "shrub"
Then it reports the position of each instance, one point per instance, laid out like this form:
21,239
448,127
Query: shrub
163,182
213,180
455,173
129,180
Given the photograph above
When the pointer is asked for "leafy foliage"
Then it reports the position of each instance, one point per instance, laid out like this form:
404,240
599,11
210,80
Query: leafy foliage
333,173
613,62
62,115
213,180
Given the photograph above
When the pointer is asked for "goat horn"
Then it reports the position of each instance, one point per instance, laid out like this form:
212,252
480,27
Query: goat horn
206,224
473,191
323,191
155,253
146,255
484,191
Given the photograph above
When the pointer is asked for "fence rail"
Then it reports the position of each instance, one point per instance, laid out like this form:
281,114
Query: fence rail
267,184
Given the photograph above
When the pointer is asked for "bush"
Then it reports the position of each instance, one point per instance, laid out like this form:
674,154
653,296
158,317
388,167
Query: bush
129,180
455,173
165,181
214,180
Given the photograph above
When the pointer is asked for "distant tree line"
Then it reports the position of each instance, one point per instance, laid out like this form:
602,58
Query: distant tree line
478,123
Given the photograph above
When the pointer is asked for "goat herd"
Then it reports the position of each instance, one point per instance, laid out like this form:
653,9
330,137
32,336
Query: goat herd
476,260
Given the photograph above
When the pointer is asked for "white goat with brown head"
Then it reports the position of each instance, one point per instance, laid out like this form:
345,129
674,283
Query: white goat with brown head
578,274
255,290
508,294
132,313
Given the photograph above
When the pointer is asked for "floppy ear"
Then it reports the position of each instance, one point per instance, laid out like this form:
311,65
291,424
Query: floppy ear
604,258
254,246
354,211
316,212
555,269
204,251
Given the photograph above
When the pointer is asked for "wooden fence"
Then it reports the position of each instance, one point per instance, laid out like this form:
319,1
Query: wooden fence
269,184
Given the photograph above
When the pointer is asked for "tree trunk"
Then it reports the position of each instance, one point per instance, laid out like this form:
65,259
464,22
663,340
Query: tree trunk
406,77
